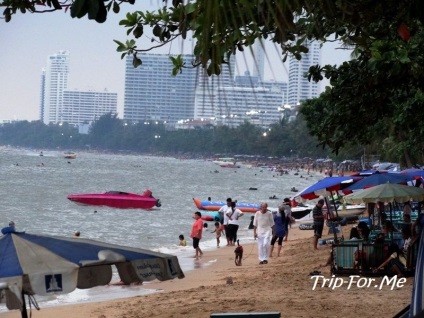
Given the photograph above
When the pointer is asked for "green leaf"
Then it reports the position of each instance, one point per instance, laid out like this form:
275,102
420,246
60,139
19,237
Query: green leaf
138,31
116,7
93,8
190,8
136,62
78,9
157,30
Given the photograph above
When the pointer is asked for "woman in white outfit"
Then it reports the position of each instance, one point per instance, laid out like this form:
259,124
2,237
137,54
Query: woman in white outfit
263,228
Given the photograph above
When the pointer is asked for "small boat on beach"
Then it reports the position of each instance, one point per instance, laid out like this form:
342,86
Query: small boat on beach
298,212
117,199
216,205
348,210
211,216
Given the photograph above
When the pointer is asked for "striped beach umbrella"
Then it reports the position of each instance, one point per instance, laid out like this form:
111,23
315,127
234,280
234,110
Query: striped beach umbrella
44,265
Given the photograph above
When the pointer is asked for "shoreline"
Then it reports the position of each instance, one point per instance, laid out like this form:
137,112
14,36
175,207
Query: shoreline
217,285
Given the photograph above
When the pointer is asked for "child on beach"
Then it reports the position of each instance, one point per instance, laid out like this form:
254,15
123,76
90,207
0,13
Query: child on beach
182,240
218,232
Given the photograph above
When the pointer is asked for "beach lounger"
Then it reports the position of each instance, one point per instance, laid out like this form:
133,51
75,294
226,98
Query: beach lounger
344,258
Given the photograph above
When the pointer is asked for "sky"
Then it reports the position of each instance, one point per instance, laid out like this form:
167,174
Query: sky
28,39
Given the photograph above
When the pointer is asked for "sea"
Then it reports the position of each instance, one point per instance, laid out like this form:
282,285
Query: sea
34,192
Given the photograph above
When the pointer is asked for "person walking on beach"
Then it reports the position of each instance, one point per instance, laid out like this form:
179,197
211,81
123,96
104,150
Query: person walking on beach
263,228
196,233
285,206
279,232
318,222
223,211
233,224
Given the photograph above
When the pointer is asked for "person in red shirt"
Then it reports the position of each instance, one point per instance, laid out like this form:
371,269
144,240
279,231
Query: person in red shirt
196,233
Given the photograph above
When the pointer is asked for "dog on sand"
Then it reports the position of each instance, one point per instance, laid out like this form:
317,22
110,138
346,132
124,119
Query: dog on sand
239,254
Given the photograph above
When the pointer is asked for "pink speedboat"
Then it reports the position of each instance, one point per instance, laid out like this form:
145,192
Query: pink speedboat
117,199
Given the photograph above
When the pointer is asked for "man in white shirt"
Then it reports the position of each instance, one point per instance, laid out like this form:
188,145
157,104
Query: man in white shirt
263,228
223,211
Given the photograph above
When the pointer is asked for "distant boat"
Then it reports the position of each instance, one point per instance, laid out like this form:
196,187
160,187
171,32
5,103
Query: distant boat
70,155
223,161
229,165
117,199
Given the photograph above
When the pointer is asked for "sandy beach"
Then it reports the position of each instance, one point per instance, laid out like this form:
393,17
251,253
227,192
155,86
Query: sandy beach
218,286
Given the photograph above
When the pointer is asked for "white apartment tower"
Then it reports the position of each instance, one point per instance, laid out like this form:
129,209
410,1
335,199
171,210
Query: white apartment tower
86,106
259,60
299,88
153,94
55,82
208,86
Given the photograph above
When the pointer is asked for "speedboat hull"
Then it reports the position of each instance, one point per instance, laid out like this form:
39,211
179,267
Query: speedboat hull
297,212
300,212
350,210
117,199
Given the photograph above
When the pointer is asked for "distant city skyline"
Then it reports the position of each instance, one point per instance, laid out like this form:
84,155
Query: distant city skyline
94,64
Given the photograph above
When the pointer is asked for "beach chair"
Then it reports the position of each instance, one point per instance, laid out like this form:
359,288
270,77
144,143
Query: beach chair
376,254
343,256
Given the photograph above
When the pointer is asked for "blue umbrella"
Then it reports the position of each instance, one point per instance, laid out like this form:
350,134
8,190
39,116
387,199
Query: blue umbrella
366,172
43,265
325,185
377,179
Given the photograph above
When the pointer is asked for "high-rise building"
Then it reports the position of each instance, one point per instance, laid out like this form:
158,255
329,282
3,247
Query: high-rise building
54,82
153,93
256,103
205,103
259,60
42,85
299,88
87,106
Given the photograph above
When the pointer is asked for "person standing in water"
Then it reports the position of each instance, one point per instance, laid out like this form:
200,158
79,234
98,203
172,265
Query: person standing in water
196,233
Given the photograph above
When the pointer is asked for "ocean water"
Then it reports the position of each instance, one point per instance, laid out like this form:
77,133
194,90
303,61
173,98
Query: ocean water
34,188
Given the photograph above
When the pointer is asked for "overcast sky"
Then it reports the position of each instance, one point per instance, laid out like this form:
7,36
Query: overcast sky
28,39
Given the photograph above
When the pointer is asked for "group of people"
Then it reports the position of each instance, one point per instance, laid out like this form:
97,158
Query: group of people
395,261
268,228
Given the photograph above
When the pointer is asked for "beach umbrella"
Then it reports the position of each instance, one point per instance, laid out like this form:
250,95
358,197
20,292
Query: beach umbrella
367,172
43,265
414,172
377,179
387,192
325,187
